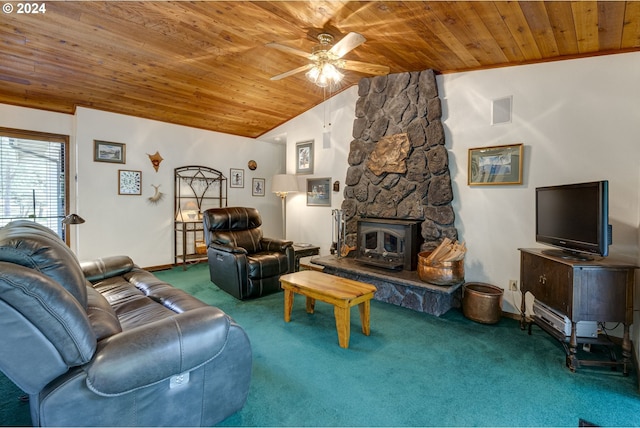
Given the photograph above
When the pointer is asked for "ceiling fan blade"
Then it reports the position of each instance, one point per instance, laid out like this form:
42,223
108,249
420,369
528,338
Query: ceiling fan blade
292,72
288,49
347,43
365,67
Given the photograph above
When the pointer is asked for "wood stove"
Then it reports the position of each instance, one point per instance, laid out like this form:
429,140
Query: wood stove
388,243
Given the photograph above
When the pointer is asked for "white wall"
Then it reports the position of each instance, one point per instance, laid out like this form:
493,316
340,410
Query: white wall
579,121
35,120
313,224
131,225
118,224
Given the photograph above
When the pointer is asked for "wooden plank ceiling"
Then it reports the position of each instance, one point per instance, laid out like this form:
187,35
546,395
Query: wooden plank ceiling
204,64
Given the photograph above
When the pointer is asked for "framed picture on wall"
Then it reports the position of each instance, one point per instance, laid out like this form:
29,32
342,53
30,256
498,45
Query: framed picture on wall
319,192
257,187
236,177
105,151
304,157
495,165
129,182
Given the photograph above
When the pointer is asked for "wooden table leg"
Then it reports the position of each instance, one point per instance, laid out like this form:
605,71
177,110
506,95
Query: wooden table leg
311,305
365,311
572,359
343,325
288,304
626,350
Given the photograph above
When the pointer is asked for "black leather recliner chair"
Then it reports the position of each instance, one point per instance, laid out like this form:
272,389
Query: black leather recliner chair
242,262
105,343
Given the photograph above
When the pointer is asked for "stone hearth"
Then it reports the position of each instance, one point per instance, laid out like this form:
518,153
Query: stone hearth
400,288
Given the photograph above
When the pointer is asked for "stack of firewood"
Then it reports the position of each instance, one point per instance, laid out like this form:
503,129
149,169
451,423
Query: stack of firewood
447,251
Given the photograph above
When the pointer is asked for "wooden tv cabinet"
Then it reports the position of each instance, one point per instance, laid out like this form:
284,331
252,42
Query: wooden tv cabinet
599,290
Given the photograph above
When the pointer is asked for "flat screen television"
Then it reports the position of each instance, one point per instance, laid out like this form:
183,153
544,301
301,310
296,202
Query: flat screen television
574,218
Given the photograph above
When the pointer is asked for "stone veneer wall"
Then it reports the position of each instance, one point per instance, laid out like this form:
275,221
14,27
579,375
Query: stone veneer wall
405,103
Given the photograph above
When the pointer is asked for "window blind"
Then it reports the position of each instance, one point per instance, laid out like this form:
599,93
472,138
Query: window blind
33,178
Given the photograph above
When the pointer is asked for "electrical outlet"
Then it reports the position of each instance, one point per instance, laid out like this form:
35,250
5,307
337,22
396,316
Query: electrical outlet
513,285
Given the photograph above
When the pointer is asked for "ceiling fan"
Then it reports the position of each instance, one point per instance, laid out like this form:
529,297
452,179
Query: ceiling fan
326,60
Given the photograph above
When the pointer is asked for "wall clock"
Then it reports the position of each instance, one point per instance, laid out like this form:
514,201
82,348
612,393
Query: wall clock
129,182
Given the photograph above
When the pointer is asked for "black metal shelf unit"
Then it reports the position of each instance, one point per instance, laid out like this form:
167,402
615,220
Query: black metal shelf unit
196,189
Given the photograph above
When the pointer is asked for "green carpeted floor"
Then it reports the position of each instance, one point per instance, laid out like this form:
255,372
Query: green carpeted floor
414,370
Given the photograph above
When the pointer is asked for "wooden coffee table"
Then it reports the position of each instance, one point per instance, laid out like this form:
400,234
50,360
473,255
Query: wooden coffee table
342,293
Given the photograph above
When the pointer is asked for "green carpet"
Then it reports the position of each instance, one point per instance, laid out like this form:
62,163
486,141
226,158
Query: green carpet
414,370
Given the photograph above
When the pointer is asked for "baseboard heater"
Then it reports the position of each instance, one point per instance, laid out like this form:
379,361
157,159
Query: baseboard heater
561,323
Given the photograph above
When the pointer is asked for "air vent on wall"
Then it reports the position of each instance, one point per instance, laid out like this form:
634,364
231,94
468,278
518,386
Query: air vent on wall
501,110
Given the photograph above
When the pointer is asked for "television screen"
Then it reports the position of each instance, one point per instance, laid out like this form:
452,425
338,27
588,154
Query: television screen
575,218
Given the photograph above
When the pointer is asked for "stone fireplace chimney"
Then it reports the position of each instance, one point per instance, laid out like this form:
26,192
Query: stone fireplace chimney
398,163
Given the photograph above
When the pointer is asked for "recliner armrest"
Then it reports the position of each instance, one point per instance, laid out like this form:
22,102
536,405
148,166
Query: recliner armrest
227,248
273,244
157,351
106,267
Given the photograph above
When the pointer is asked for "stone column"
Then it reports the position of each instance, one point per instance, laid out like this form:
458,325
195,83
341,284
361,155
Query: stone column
398,162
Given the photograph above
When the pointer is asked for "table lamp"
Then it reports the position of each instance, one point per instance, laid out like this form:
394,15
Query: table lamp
281,185
190,209
73,219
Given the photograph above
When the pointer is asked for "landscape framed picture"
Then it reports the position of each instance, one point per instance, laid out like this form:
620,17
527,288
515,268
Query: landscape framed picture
129,182
236,177
319,192
257,187
105,151
304,157
495,165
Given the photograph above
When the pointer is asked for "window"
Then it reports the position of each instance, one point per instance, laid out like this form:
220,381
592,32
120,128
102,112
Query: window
33,178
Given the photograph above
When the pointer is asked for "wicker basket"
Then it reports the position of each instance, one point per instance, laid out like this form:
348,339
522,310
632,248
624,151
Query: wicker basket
201,247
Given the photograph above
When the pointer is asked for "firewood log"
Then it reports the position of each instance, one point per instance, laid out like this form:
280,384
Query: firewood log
440,250
448,251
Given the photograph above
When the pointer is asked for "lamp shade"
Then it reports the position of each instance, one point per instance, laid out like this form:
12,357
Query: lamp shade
73,219
191,206
284,183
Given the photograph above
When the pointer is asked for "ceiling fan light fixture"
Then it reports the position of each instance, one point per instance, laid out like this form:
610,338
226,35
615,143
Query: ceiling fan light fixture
332,72
313,73
325,60
324,74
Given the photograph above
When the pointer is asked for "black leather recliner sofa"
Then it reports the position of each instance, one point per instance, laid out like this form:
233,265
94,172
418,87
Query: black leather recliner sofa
242,261
106,343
